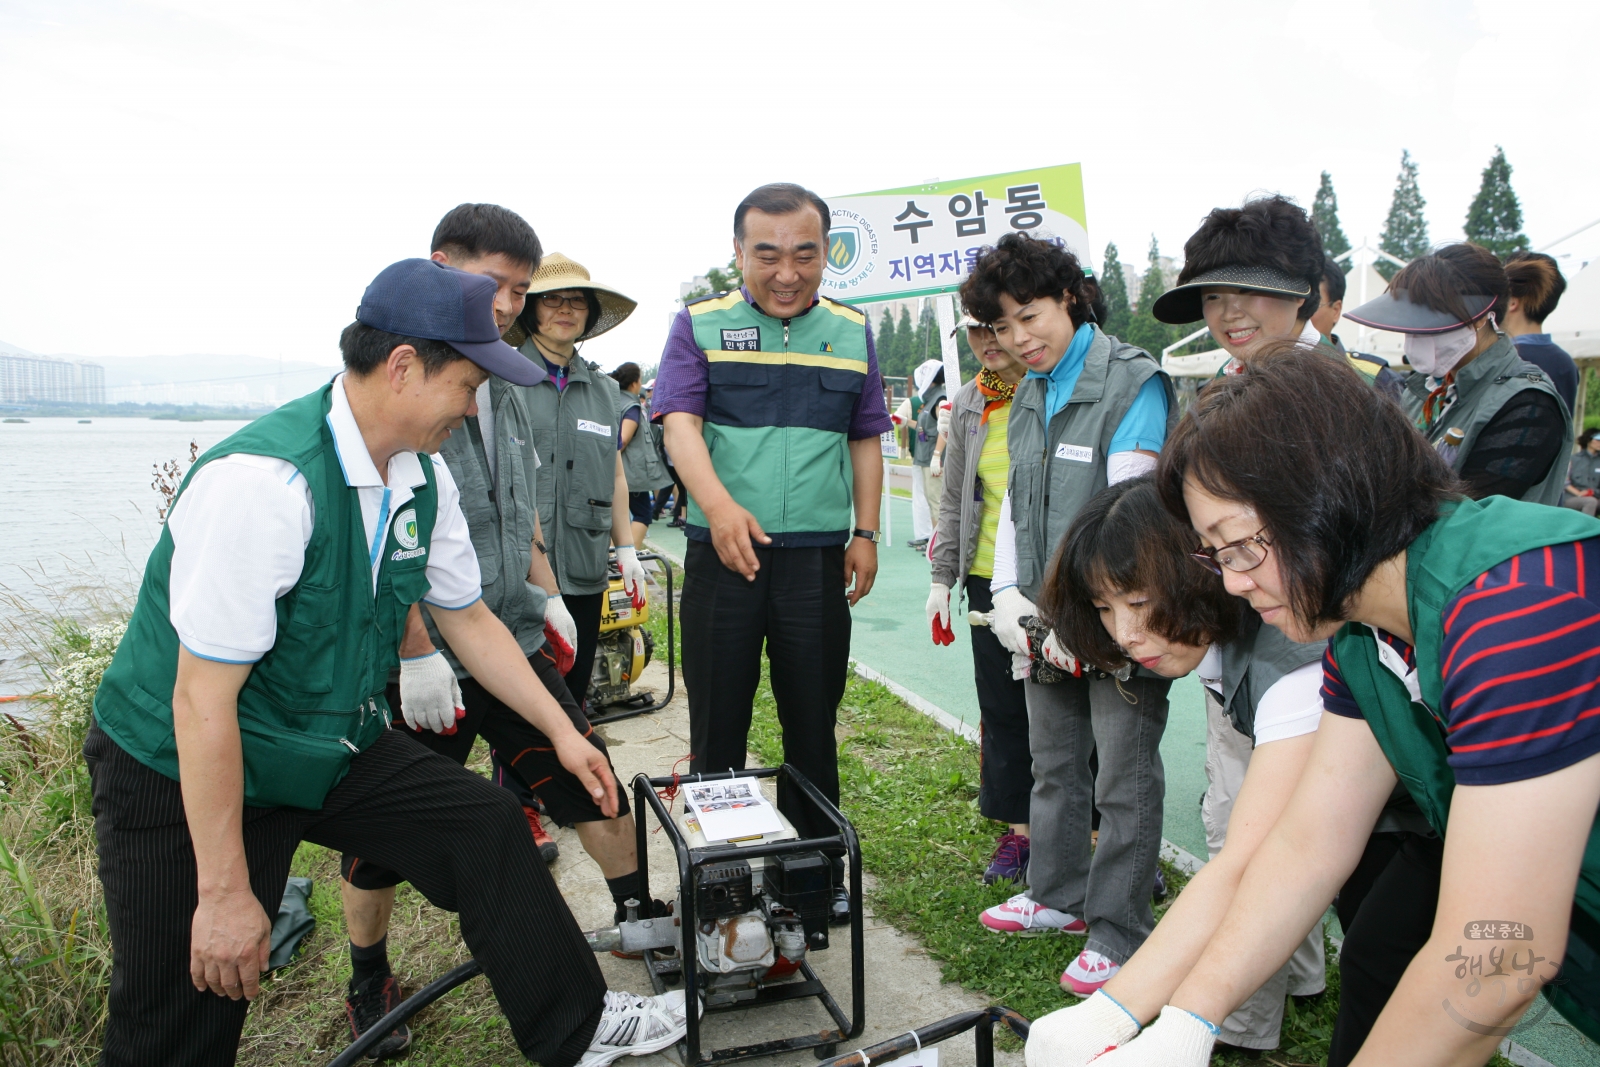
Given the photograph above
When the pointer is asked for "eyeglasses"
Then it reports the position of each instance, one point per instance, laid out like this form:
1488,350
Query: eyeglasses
1245,554
556,300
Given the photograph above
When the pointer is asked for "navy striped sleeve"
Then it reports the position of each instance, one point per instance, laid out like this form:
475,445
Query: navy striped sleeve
1521,666
1336,696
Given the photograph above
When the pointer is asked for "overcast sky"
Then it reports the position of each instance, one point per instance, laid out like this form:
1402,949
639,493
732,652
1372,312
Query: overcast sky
185,176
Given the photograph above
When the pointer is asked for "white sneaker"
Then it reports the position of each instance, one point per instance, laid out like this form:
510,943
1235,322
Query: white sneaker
1020,915
1088,973
632,1025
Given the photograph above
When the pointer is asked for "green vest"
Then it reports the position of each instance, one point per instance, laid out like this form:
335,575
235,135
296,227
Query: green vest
1055,471
1468,539
1482,389
575,430
779,400
641,459
499,516
316,698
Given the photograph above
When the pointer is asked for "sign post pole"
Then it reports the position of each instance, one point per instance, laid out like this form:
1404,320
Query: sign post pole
945,309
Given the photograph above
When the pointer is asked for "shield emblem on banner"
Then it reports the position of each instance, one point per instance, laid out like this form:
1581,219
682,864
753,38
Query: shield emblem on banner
844,248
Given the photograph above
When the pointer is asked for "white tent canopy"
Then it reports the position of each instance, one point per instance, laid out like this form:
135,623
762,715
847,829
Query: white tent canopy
1575,323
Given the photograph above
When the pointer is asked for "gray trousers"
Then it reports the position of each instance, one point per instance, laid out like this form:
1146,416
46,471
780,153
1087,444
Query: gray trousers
1108,887
1258,1021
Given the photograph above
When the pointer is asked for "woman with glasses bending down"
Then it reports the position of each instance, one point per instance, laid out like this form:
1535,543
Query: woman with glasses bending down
1461,662
1132,585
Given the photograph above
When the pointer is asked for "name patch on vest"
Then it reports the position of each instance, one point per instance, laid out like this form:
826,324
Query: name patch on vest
594,427
746,339
1076,453
400,554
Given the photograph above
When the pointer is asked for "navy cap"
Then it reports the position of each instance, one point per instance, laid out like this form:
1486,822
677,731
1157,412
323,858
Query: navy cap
1394,311
421,298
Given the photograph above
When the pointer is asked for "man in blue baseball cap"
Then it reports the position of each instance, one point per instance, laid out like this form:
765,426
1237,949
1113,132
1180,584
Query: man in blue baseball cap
245,712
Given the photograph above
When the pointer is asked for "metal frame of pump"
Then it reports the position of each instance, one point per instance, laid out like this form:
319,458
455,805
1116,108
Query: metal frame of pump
691,862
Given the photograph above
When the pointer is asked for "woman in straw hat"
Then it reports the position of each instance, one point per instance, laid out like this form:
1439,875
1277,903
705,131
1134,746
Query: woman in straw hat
574,416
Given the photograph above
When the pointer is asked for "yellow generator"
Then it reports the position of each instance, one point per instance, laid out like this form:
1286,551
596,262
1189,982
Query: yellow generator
625,649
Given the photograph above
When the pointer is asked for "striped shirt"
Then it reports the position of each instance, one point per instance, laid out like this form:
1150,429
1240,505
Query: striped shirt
1521,666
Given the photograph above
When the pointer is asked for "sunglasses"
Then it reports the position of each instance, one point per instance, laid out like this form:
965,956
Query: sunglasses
1245,554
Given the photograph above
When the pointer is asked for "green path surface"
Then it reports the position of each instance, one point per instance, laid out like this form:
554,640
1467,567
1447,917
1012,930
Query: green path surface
890,637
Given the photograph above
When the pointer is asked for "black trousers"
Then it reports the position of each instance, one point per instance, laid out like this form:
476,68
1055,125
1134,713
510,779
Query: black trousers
666,492
585,611
522,753
796,607
456,837
1005,769
1386,908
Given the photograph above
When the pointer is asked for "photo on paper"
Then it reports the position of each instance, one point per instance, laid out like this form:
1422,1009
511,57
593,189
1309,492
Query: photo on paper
731,810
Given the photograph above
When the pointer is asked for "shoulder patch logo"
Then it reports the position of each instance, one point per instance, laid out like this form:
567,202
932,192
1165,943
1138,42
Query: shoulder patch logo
745,339
405,528
826,347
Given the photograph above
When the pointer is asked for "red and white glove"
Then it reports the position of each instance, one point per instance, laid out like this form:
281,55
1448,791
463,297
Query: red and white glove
1009,607
632,575
1056,654
939,614
430,696
1177,1039
1072,1037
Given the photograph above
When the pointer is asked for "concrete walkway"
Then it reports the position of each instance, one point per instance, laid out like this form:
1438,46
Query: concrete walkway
890,642
903,987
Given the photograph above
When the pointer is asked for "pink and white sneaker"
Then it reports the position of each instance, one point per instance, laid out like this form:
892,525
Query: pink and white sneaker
1020,915
1086,974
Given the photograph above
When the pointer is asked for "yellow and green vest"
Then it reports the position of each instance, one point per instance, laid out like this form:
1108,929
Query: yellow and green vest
779,401
316,698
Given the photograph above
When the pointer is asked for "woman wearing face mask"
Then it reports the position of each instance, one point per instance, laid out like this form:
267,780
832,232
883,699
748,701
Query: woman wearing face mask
1495,418
1090,411
1461,663
1125,589
976,464
1254,273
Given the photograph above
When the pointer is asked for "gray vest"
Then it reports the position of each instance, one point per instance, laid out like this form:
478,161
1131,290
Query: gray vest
499,516
925,433
1583,470
1254,663
1482,389
1054,472
575,430
641,460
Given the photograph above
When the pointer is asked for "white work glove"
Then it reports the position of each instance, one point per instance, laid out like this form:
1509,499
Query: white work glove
632,575
1021,667
557,615
1056,654
430,696
939,614
1073,1036
936,465
1009,606
1177,1039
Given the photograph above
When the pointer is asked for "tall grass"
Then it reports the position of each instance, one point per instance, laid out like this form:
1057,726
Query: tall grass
55,948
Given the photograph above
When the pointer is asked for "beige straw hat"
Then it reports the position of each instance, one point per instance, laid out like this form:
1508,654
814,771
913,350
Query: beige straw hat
555,272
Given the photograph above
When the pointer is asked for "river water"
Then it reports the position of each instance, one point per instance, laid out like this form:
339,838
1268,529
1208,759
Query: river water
80,518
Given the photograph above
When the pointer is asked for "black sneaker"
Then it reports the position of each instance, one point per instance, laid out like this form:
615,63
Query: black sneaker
365,1005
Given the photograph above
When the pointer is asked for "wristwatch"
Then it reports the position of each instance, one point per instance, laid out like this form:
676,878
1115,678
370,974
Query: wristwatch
871,535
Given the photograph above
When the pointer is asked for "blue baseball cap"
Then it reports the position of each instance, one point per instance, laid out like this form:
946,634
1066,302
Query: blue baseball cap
421,298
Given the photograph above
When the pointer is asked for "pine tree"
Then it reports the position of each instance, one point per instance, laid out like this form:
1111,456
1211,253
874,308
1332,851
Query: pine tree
1405,231
1114,288
905,343
928,346
1145,330
884,342
1325,216
1495,218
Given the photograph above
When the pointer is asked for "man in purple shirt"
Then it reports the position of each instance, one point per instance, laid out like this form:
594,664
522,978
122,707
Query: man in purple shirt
772,404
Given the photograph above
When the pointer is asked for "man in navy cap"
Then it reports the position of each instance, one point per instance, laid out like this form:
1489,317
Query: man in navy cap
245,712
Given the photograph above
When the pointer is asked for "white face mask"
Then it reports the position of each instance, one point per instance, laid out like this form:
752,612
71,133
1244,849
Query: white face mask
1437,354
